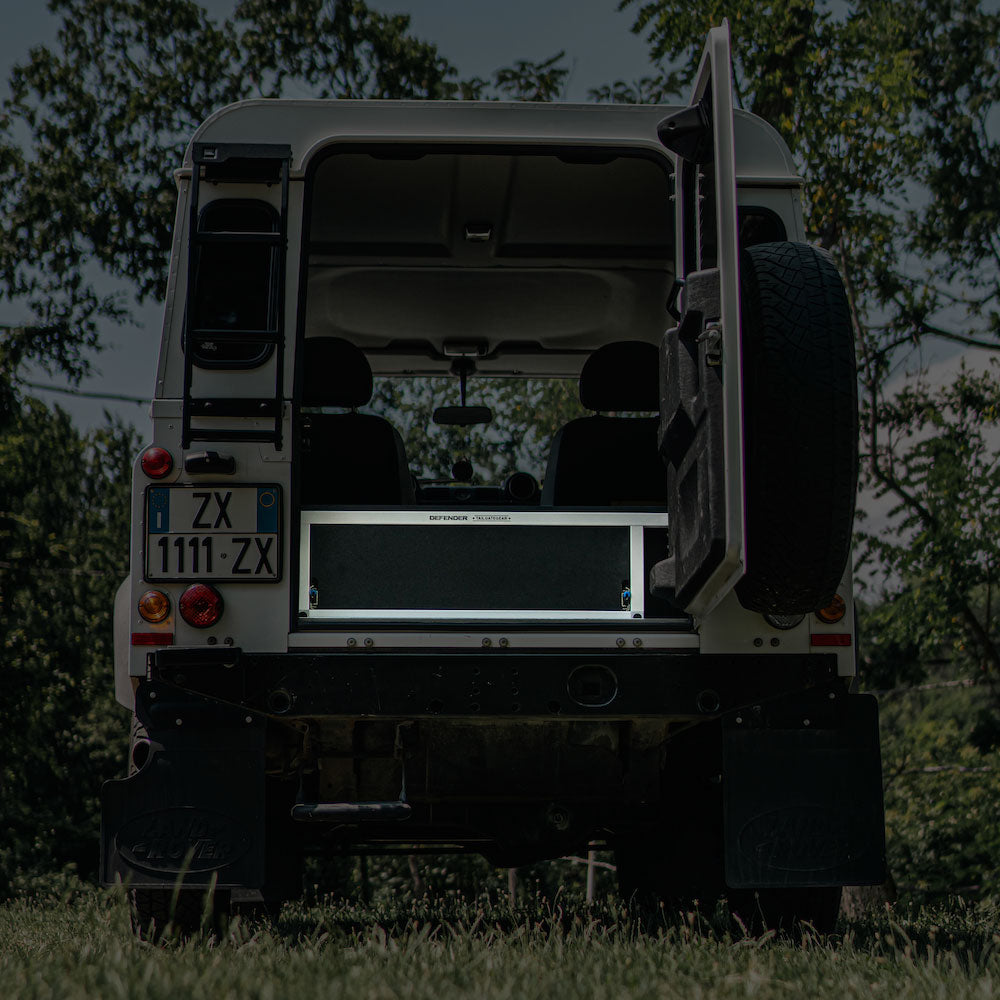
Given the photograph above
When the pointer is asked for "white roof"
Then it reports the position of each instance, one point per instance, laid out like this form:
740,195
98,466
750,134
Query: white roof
309,125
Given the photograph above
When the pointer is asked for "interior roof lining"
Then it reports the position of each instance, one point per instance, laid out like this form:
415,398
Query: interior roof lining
588,234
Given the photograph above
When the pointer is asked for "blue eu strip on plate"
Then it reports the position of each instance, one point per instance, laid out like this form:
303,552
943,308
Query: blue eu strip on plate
267,510
159,510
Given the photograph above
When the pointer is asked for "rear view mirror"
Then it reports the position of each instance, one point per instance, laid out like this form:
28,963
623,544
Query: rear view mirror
463,415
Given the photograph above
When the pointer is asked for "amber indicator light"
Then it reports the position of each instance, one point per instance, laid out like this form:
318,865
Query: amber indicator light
154,606
833,612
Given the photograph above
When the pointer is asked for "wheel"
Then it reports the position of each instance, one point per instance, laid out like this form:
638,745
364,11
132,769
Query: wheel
157,914
674,861
783,910
800,407
651,880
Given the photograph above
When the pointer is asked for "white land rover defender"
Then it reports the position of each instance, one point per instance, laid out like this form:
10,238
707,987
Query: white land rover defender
652,651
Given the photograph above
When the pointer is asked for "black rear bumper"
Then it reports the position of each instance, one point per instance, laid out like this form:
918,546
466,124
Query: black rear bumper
490,683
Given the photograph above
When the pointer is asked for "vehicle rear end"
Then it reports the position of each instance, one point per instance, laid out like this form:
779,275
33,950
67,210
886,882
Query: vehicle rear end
338,638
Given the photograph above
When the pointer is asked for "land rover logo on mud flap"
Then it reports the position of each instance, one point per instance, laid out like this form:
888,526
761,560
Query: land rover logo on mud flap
799,838
177,840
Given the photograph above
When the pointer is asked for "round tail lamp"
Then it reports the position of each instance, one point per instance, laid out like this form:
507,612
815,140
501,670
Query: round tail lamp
833,612
156,462
154,606
200,605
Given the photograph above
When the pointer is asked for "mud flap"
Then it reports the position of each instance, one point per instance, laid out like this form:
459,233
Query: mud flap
195,811
803,794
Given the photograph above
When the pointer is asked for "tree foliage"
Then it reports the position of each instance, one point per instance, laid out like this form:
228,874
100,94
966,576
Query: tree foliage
63,553
957,228
96,124
527,415
941,791
940,469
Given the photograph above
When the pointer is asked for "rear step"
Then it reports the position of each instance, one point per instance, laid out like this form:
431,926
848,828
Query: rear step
350,812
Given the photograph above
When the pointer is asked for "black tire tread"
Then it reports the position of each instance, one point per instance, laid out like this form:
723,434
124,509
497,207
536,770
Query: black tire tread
800,425
786,910
156,914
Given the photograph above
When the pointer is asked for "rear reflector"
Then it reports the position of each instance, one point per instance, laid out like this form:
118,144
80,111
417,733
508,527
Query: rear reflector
831,639
152,638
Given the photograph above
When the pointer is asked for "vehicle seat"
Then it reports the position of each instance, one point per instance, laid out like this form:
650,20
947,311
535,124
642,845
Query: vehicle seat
347,458
600,461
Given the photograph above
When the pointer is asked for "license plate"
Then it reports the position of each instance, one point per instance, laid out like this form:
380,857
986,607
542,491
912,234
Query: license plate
216,533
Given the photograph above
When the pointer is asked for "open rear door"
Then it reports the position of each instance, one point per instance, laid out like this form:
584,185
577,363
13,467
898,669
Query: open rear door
701,426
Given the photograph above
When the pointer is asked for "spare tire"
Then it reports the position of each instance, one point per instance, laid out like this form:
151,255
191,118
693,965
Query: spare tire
800,419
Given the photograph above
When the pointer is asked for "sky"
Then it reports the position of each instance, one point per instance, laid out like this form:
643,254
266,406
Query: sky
477,36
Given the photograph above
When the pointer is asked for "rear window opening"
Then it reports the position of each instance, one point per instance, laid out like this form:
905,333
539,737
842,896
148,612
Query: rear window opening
235,283
537,255
481,439
512,264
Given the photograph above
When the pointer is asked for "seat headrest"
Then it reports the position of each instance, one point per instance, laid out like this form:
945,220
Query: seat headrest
623,376
336,373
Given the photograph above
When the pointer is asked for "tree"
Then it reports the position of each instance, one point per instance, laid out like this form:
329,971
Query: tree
941,470
957,229
63,553
107,113
942,802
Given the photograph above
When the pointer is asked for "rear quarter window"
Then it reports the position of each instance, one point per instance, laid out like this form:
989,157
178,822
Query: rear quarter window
234,283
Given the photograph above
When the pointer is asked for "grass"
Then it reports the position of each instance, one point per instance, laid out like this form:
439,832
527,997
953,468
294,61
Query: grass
81,946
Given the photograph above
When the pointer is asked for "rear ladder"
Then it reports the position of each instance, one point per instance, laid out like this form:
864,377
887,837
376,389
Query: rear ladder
249,163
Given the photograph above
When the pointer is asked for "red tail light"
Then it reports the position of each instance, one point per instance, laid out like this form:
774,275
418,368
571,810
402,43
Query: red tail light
200,605
156,462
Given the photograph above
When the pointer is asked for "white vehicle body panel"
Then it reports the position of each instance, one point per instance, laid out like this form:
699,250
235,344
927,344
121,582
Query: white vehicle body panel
263,618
